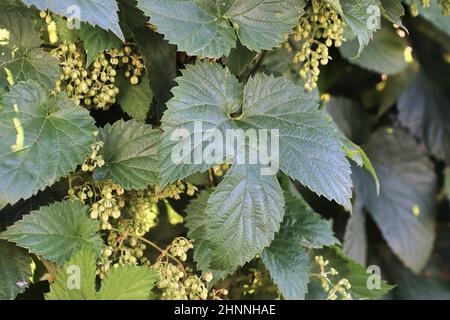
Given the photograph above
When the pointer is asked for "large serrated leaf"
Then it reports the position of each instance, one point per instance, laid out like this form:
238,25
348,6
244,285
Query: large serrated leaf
209,28
130,153
404,209
287,258
43,137
76,281
15,270
96,12
128,283
56,232
288,267
310,150
243,215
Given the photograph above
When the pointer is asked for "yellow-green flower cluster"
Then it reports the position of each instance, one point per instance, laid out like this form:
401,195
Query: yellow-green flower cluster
318,29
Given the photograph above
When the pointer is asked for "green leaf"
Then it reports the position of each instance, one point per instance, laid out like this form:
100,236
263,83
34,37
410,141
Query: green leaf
22,32
130,17
393,11
130,153
363,18
289,267
135,100
423,108
447,182
30,64
239,58
76,281
287,258
128,283
301,224
404,209
383,54
355,238
43,137
433,14
395,86
97,40
196,224
211,28
15,270
95,12
161,62
426,286
355,273
56,232
63,30
352,120
310,149
243,215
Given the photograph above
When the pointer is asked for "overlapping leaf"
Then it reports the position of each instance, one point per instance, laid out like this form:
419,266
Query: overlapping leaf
355,239
287,258
23,57
160,60
423,108
404,209
211,28
384,54
123,283
243,214
15,270
43,137
393,10
96,12
56,232
310,150
130,152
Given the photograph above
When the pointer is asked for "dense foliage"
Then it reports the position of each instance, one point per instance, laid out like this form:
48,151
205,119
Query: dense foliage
93,205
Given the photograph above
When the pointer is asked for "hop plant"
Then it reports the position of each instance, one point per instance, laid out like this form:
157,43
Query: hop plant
95,86
180,247
177,283
320,28
144,209
333,290
445,6
94,160
109,204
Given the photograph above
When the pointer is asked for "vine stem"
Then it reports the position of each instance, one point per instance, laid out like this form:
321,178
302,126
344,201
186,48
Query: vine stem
162,251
